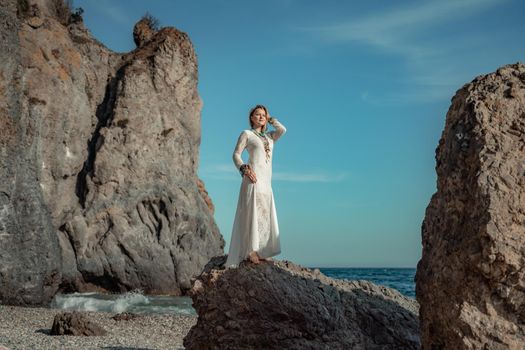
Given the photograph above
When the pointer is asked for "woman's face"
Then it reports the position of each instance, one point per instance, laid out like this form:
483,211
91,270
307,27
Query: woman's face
259,117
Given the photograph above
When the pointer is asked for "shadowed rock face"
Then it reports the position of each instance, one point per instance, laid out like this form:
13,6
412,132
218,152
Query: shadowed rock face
471,277
280,305
98,164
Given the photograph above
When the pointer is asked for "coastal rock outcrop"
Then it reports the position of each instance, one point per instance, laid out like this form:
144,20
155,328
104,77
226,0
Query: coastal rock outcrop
75,323
281,305
470,281
98,160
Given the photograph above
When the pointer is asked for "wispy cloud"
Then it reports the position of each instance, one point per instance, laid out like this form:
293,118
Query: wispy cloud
308,177
405,32
228,172
395,30
220,172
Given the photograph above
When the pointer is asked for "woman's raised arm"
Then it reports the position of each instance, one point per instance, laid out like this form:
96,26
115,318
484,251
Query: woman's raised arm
279,129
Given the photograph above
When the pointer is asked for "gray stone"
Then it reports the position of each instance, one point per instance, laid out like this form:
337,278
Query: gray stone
75,323
98,162
29,251
281,305
471,277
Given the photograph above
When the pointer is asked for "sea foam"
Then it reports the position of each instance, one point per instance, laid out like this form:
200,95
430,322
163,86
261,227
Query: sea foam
134,302
100,302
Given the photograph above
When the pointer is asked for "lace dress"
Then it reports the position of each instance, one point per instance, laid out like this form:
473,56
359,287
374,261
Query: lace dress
255,226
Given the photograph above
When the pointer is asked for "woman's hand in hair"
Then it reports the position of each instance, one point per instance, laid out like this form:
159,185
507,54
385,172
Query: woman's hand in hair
269,118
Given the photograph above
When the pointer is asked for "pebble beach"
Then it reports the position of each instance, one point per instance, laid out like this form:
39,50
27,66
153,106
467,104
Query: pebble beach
29,327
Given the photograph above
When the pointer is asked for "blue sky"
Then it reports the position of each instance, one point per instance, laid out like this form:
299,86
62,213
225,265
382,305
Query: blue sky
362,87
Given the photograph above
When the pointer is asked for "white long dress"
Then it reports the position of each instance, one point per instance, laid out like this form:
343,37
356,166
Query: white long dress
255,226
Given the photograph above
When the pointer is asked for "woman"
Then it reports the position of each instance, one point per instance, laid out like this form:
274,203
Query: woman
255,233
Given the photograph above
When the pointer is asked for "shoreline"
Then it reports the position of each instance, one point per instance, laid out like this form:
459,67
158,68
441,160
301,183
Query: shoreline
24,327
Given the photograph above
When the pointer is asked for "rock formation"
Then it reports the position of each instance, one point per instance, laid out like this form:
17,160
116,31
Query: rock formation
280,305
144,30
470,281
98,160
75,323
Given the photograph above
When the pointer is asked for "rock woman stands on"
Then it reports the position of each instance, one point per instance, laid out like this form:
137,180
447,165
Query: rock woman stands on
255,233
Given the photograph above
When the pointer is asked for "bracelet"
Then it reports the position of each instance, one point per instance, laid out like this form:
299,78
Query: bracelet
243,168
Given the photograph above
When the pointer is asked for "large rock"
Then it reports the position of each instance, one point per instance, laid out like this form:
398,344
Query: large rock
98,161
280,305
75,323
470,281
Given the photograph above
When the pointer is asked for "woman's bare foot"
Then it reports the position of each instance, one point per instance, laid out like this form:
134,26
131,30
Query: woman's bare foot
254,257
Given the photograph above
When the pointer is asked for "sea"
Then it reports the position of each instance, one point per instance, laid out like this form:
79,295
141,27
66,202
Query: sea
137,302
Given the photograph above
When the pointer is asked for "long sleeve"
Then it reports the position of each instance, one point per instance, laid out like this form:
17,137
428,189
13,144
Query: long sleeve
239,147
279,130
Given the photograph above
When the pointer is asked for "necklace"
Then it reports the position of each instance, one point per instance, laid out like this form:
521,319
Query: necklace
264,138
260,133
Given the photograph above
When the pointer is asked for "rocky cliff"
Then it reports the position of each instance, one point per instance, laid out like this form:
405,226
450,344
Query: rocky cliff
99,157
470,281
281,305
